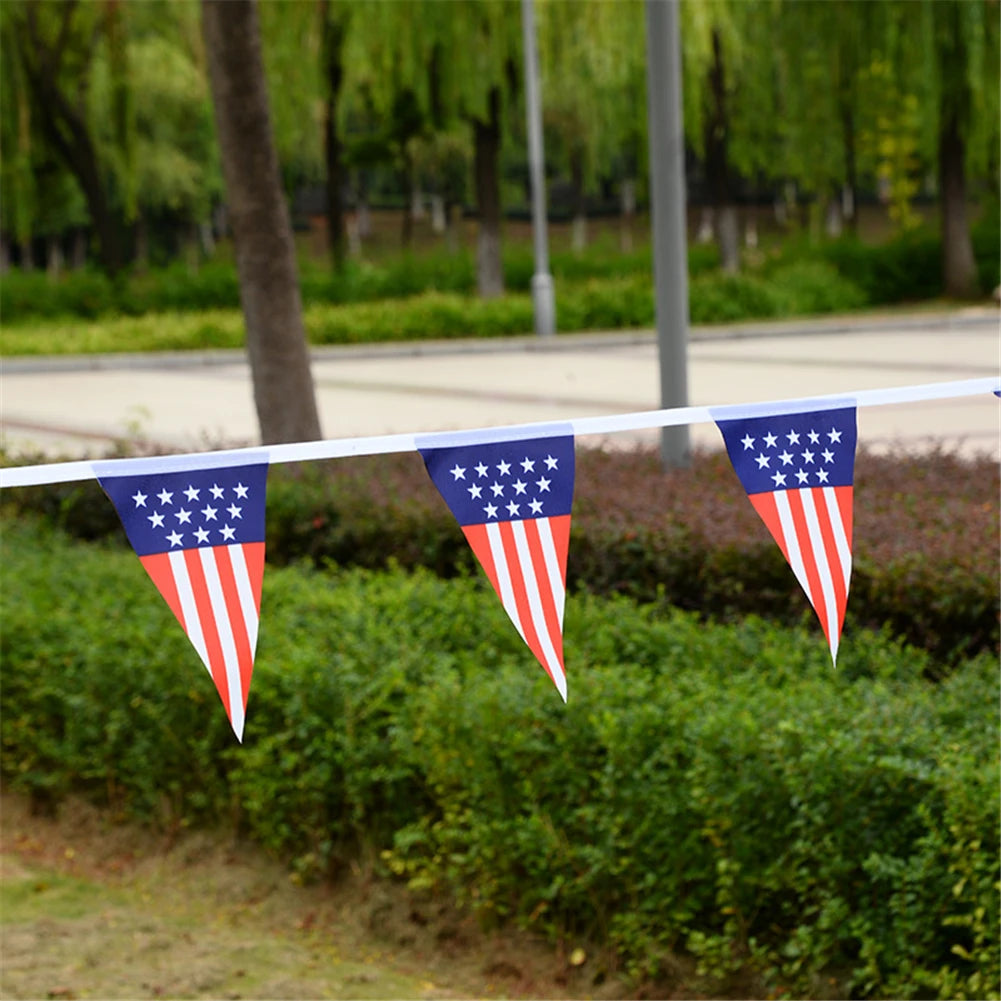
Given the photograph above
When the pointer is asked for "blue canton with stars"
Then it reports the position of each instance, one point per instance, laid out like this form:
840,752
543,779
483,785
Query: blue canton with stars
191,509
791,451
504,481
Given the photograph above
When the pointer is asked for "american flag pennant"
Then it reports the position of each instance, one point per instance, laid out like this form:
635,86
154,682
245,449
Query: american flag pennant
512,496
798,470
197,526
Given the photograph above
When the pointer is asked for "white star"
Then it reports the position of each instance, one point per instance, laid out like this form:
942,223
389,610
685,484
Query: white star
208,513
834,435
813,436
183,517
519,487
475,491
201,535
481,470
241,491
786,458
504,468
497,488
174,538
793,437
156,520
191,493
747,441
459,472
165,496
543,484
140,498
528,465
802,476
512,508
536,507
227,532
491,511
216,491
808,456
551,463
780,479
828,455
762,460
822,475
234,511
770,440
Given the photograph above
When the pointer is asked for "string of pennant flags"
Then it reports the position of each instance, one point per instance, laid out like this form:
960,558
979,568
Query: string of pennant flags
197,521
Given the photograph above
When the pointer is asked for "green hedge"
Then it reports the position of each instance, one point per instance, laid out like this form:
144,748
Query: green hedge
432,295
714,796
687,538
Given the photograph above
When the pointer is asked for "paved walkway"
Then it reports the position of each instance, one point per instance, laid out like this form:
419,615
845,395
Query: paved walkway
75,407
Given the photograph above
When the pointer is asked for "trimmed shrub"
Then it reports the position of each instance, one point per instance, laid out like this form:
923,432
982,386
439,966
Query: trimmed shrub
688,538
715,793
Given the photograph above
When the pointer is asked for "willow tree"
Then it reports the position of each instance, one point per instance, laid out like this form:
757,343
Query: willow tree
55,47
591,59
963,84
262,230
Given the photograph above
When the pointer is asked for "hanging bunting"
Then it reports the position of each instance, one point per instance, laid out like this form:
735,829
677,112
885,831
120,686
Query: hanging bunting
197,525
798,471
512,496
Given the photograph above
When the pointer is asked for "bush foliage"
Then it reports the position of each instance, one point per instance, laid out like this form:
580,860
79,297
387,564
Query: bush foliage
687,538
432,295
710,795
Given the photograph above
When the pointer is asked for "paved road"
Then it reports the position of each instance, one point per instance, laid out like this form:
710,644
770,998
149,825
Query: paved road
75,407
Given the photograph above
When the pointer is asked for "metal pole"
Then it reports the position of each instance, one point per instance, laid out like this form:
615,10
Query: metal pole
542,281
668,217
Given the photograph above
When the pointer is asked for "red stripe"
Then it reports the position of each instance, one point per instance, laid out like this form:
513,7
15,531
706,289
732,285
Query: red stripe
814,591
559,525
832,556
517,578
253,553
844,496
244,655
206,619
545,589
764,504
161,573
476,535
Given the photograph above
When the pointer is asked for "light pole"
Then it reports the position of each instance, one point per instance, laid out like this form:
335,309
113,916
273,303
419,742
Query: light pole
543,300
668,217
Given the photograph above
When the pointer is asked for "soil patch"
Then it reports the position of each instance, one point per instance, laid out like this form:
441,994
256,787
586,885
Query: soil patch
94,909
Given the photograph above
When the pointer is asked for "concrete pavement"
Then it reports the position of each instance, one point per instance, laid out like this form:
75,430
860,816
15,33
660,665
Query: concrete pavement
76,407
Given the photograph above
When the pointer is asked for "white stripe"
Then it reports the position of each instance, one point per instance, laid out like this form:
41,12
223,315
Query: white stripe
840,536
64,472
792,541
823,569
225,630
503,575
245,592
552,566
189,609
550,658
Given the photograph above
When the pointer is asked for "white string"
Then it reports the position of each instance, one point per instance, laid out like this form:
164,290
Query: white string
341,448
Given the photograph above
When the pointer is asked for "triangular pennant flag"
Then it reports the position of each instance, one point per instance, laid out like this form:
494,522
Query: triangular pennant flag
512,497
798,470
197,525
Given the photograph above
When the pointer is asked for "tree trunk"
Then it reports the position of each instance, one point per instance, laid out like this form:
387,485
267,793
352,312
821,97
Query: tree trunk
958,263
259,218
66,130
579,226
334,30
717,165
486,166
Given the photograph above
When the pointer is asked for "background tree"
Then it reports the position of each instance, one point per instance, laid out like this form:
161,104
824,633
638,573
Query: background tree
262,231
55,46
